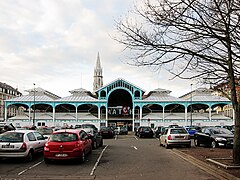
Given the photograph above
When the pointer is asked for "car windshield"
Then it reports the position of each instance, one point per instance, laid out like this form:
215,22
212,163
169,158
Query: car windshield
63,137
11,137
178,131
220,131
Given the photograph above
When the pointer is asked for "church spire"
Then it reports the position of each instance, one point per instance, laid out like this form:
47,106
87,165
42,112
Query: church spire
98,78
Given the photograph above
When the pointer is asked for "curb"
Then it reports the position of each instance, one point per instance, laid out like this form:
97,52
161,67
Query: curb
214,171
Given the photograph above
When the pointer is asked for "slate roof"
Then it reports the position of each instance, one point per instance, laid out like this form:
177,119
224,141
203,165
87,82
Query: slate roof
79,95
203,94
161,95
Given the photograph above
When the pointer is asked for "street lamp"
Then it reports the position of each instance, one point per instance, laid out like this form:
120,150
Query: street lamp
191,107
34,104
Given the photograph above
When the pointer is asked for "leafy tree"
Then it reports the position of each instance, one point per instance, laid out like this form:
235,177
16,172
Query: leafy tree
192,39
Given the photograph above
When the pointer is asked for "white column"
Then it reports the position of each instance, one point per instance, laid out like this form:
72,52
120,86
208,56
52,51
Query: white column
106,113
163,115
140,118
76,114
99,113
29,113
53,116
210,114
185,116
133,113
5,114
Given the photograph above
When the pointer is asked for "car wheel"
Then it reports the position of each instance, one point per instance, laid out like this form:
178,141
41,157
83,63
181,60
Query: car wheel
196,142
30,156
214,144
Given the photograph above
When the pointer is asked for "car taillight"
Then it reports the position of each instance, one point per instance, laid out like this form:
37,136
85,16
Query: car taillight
169,137
23,147
46,147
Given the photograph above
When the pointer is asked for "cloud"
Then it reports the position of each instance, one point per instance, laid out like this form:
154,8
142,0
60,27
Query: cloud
54,44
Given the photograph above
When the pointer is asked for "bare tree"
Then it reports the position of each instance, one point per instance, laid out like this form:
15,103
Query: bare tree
192,39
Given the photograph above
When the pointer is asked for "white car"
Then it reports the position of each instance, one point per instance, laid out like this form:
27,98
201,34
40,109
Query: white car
175,137
21,143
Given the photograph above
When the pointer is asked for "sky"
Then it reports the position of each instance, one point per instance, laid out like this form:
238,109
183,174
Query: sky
54,45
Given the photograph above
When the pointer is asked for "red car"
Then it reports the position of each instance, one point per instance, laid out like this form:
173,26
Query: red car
67,144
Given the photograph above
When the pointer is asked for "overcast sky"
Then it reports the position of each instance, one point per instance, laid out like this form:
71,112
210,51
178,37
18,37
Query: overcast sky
54,44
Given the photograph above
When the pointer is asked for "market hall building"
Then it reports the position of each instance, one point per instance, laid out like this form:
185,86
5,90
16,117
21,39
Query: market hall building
119,103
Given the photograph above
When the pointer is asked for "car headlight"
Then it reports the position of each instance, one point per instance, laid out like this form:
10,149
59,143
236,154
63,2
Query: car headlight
220,139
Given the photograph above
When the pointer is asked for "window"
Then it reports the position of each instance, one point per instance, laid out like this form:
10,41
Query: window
39,136
31,137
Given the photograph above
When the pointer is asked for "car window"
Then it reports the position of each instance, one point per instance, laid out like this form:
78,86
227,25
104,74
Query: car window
11,137
178,131
39,136
220,131
63,137
31,137
83,135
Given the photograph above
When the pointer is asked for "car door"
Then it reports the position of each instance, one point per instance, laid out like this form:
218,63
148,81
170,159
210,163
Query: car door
33,143
205,137
86,141
41,140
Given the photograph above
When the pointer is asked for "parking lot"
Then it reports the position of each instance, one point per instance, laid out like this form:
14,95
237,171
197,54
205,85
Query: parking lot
123,157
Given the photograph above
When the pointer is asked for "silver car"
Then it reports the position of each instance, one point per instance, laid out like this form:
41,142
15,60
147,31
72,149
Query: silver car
21,143
175,137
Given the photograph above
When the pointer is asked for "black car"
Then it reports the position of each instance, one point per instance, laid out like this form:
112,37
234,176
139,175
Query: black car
214,137
106,132
144,131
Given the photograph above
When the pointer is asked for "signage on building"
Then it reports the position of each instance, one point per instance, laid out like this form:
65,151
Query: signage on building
120,110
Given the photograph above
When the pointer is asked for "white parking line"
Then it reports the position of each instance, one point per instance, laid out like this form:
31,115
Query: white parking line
96,164
29,168
135,147
136,137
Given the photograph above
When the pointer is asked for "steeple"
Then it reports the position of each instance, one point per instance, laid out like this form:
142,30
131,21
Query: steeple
98,78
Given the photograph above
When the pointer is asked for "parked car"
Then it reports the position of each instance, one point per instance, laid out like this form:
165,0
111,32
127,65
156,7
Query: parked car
121,130
144,131
45,131
106,132
175,137
97,140
86,126
214,137
158,130
67,144
21,144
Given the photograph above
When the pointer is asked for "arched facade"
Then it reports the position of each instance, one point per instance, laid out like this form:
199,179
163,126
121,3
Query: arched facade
119,103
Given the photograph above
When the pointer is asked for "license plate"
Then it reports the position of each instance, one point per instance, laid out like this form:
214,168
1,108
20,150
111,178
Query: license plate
7,146
146,131
179,137
61,155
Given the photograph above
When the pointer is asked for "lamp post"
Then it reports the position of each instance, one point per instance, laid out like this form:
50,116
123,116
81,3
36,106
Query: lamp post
191,108
34,104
